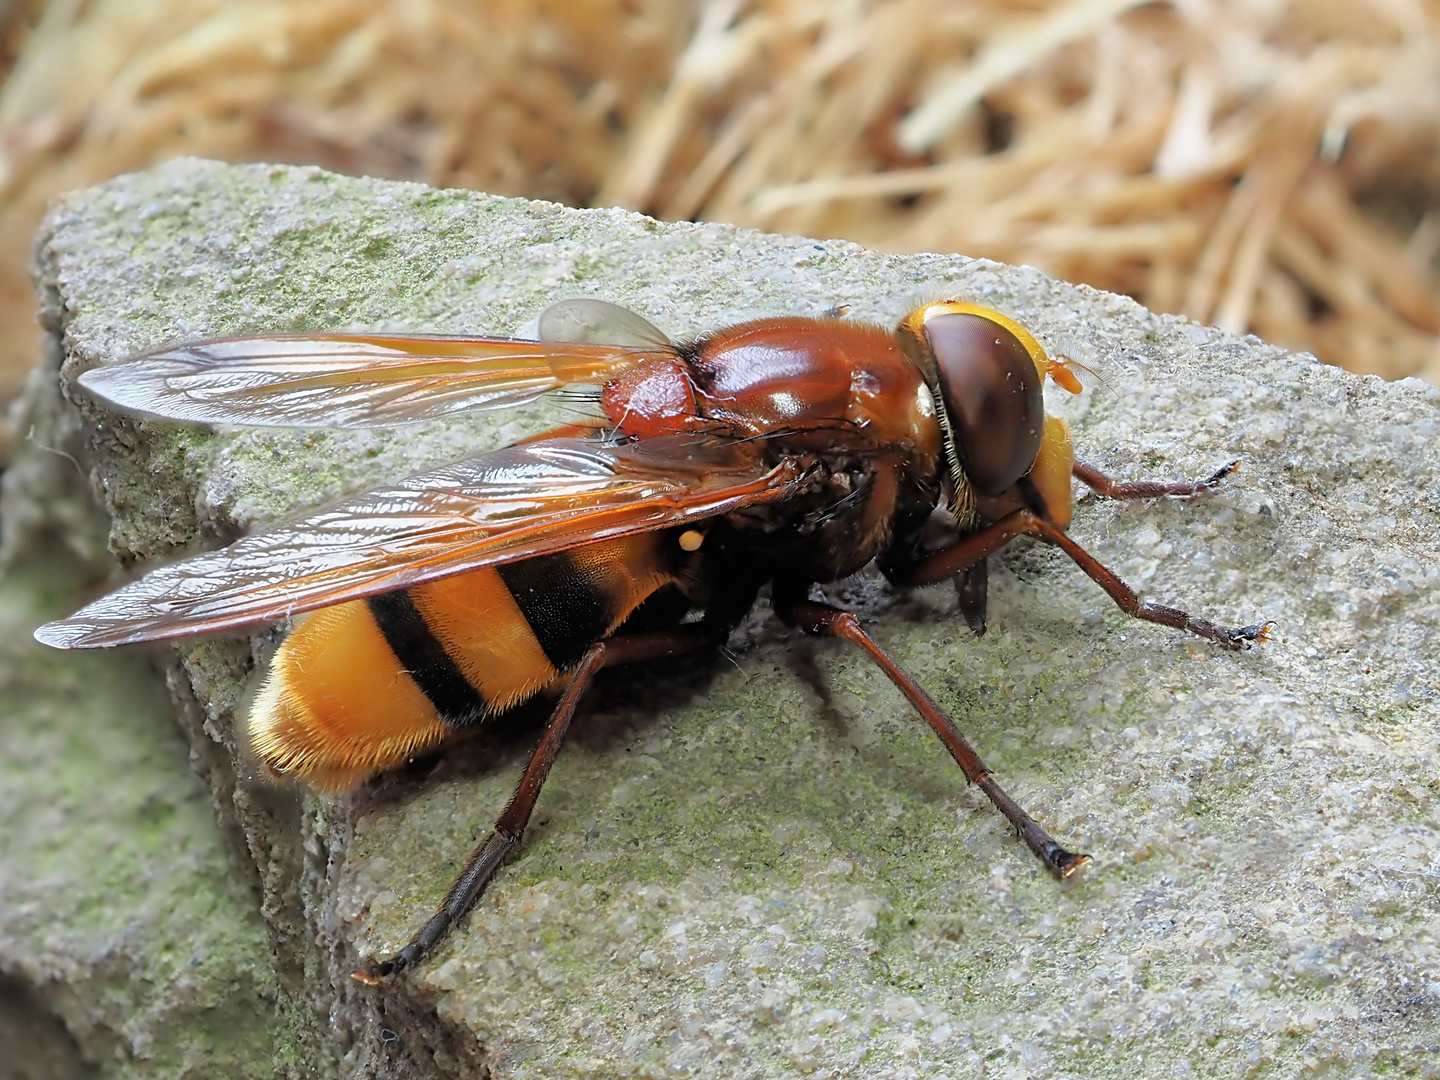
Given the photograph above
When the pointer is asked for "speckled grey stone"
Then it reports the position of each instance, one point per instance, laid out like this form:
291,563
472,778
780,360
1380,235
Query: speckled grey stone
130,946
765,864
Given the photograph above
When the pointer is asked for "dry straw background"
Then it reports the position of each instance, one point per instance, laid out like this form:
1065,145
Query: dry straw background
1264,165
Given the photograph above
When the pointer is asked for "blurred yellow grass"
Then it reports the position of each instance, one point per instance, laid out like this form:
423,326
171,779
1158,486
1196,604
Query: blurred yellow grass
1263,165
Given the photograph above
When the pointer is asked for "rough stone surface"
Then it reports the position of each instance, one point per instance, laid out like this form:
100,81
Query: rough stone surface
129,946
765,864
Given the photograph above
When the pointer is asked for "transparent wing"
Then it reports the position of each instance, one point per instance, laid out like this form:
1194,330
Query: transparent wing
348,380
569,325
510,505
599,322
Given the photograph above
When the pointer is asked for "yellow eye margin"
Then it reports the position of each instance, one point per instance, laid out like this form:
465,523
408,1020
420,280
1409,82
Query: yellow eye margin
1061,370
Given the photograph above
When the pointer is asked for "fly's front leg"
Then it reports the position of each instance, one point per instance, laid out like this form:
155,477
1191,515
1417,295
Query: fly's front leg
1110,488
992,538
486,859
823,619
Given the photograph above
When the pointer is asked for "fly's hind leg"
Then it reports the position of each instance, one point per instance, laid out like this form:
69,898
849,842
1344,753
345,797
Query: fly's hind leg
486,859
823,619
1110,488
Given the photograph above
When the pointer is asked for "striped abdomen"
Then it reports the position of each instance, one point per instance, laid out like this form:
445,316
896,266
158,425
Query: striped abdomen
362,686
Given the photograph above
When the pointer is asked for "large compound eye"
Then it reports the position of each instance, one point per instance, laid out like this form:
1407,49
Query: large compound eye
992,393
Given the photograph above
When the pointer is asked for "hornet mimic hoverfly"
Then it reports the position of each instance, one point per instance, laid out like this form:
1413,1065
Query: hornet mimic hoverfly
784,452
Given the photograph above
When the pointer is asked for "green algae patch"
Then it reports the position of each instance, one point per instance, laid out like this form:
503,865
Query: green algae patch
122,910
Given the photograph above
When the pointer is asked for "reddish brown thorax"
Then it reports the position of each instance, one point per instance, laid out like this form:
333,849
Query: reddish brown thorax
654,398
835,380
